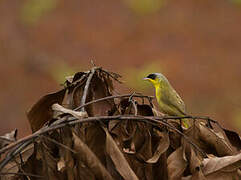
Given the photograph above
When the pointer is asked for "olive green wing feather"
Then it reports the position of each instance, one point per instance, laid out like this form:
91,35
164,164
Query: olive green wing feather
171,98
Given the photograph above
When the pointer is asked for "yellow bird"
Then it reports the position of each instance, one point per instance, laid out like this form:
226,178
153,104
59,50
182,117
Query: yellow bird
169,101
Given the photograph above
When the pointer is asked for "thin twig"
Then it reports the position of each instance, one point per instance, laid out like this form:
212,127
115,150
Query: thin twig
58,143
112,97
86,88
115,76
133,102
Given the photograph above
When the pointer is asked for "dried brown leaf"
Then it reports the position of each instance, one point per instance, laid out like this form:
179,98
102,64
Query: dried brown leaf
192,156
174,136
194,162
8,138
142,141
89,159
83,172
161,148
118,158
197,175
215,140
94,137
99,89
226,163
66,156
33,166
134,138
234,175
234,138
14,164
41,112
176,165
49,163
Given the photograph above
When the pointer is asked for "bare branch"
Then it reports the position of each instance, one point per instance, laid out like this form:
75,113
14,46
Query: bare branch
112,97
86,89
58,143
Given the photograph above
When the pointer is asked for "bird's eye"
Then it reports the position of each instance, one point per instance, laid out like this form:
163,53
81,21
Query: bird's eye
152,76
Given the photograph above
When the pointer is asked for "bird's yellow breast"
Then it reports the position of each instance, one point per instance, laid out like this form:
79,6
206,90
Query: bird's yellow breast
162,96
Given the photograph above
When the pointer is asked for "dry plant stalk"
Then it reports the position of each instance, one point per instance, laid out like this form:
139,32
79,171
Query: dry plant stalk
85,132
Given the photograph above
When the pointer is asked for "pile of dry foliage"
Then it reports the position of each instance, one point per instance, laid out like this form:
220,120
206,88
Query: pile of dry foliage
85,132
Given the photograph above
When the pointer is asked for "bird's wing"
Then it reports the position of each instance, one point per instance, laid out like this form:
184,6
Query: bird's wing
171,98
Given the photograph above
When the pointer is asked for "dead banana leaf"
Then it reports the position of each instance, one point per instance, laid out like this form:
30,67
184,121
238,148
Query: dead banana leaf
192,156
33,166
175,138
162,147
221,164
49,163
101,88
89,159
234,138
41,112
8,138
176,165
118,158
216,140
13,166
235,175
66,162
198,175
195,162
98,88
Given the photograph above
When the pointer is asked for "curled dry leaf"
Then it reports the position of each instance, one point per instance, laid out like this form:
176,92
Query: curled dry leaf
215,140
8,138
176,165
161,148
42,112
118,158
193,159
90,160
13,166
198,175
174,136
66,157
99,89
234,138
227,163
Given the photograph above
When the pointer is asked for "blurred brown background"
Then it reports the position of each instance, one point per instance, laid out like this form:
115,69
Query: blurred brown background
196,44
